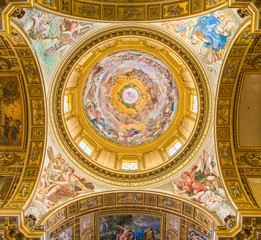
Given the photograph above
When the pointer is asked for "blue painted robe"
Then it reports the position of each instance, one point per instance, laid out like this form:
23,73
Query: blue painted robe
139,234
208,26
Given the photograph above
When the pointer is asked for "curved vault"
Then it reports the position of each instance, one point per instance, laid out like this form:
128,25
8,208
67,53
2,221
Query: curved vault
238,152
126,10
73,129
84,216
130,97
237,124
22,124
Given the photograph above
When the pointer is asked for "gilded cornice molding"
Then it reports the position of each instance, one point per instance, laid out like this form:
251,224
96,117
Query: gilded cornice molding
253,8
7,10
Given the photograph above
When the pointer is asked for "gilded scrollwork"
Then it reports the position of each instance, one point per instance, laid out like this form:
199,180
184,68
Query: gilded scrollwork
250,158
11,158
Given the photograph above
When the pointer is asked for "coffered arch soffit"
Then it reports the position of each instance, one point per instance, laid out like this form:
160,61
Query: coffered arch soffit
189,216
23,120
111,11
237,137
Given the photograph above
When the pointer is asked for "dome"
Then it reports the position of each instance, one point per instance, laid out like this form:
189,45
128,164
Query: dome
129,107
130,97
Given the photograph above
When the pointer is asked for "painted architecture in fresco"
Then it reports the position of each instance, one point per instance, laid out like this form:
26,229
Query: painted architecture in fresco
11,112
130,227
132,104
64,235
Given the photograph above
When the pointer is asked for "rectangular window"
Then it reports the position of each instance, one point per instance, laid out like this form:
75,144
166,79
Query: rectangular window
195,104
129,166
66,102
85,148
174,148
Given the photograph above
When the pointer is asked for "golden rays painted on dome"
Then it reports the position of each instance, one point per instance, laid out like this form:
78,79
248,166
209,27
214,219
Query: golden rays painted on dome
130,97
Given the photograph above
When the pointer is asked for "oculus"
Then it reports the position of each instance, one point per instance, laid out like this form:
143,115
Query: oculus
130,97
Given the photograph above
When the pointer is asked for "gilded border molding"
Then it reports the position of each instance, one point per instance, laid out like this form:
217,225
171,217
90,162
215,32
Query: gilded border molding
130,10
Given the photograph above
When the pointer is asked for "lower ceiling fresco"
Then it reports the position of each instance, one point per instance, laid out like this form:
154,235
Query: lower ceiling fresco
114,131
123,215
59,182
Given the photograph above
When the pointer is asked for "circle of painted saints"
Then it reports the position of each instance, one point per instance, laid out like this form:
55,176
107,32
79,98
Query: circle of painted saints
130,97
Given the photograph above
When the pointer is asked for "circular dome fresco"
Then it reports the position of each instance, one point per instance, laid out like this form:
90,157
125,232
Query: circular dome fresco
130,97
127,108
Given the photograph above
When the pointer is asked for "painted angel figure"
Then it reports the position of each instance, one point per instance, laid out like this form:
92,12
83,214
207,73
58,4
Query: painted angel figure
206,33
57,163
125,233
67,184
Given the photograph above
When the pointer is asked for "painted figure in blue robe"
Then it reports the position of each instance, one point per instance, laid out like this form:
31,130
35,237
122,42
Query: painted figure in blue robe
208,36
131,132
104,228
139,233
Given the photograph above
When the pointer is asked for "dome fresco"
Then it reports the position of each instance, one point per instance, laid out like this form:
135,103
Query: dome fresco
130,97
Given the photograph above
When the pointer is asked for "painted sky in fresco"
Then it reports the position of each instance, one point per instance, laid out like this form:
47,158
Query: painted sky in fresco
52,37
130,97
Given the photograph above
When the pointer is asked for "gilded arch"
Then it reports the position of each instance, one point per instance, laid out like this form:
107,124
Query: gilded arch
187,216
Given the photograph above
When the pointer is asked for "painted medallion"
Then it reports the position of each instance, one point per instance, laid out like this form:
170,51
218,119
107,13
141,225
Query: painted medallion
130,97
